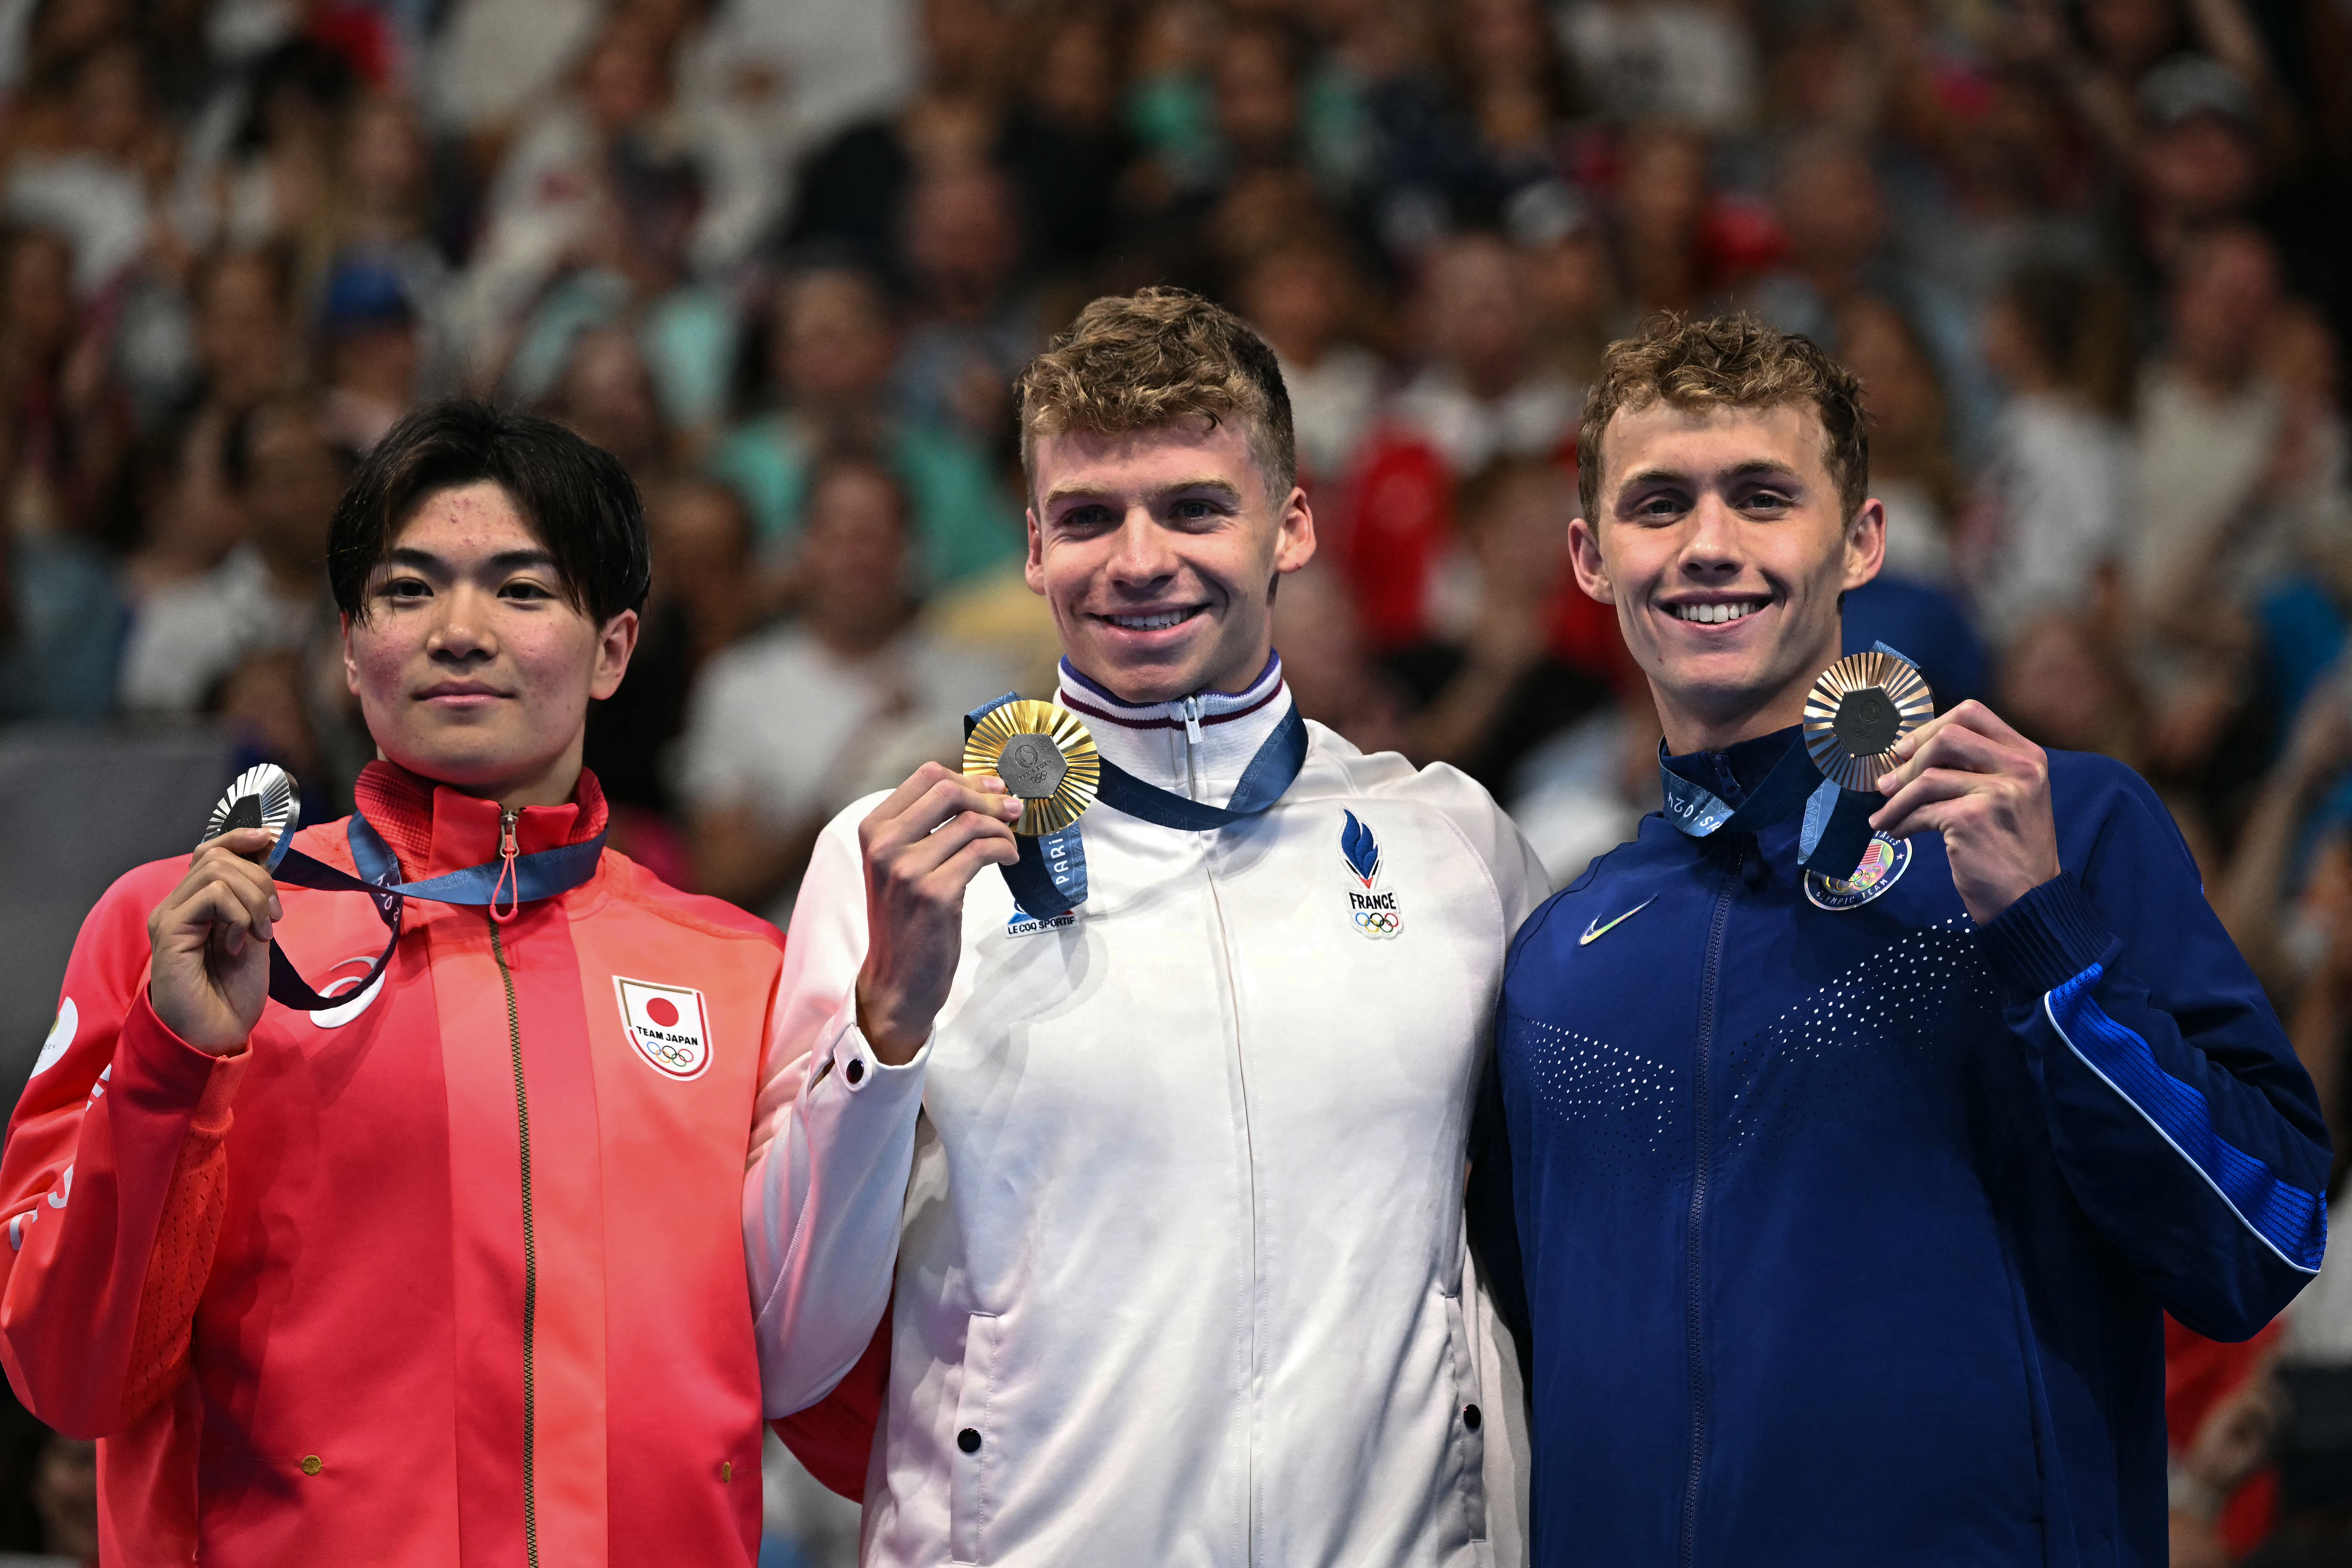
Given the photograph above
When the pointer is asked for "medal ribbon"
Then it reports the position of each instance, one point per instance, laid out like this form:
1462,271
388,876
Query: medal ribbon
1050,878
541,874
1836,831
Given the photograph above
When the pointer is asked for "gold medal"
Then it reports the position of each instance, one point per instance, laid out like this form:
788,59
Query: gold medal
1045,756
1860,707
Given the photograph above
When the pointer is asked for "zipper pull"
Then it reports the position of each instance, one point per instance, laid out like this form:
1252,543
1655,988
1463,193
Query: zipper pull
508,879
1192,709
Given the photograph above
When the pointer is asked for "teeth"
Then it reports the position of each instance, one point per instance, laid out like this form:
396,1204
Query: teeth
1714,614
1160,622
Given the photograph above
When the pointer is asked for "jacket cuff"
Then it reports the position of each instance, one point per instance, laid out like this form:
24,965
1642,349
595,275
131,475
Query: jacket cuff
851,1059
159,1072
2045,939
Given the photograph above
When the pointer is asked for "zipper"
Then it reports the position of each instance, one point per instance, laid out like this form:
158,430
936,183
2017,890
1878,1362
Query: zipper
530,1244
1702,1117
1191,708
1249,1149
509,880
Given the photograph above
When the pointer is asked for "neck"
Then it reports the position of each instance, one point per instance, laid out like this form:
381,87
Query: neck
856,639
554,784
1695,726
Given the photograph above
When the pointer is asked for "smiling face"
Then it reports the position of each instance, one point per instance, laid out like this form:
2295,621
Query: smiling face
1158,549
472,667
1724,546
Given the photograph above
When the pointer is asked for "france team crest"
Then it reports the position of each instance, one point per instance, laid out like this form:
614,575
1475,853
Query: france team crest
1883,865
1374,908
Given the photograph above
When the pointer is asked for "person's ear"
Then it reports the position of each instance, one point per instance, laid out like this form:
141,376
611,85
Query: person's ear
1294,544
615,645
1866,544
351,659
1033,570
1592,567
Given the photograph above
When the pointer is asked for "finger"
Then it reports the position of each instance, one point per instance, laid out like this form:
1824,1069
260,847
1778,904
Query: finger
1958,747
216,911
945,800
1898,817
928,854
245,843
921,783
213,863
1971,715
957,872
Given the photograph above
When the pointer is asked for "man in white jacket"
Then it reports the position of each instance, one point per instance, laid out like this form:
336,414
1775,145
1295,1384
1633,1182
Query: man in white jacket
1169,1184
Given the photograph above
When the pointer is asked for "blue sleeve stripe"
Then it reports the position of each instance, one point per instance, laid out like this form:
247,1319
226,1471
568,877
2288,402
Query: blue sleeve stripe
2289,1221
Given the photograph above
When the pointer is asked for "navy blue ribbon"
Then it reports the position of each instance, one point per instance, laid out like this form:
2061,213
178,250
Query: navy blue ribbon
1836,831
1050,878
543,873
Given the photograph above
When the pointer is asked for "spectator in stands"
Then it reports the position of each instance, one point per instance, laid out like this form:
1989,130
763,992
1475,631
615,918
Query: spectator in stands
704,599
853,190
373,349
2049,509
972,328
833,343
1911,466
247,347
68,425
1062,145
87,172
1571,278
1484,394
1491,694
1303,299
791,725
1664,60
606,393
269,593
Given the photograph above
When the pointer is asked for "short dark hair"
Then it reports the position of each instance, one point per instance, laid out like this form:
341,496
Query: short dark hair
1726,362
576,498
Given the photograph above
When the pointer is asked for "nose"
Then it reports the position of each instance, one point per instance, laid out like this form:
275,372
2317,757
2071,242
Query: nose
461,632
1712,545
1142,560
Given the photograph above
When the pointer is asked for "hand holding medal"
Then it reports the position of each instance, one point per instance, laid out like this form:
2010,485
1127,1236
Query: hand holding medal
1986,788
209,974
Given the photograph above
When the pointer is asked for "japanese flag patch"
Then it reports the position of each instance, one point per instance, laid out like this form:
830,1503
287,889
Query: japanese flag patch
668,1023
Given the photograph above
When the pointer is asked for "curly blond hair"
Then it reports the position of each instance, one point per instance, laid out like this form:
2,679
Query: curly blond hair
1133,362
1726,362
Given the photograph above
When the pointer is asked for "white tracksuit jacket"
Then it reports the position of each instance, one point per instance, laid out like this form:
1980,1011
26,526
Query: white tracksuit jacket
1172,1198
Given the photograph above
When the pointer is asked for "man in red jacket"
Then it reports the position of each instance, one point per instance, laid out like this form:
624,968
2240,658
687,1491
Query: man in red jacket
441,1263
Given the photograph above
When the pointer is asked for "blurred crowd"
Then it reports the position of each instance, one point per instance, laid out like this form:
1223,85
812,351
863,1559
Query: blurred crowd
785,256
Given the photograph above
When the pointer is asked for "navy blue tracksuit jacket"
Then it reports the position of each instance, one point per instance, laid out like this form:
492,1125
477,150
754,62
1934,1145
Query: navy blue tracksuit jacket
1846,1226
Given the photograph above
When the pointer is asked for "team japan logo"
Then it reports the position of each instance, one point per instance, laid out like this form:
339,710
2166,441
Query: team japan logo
668,1025
1374,908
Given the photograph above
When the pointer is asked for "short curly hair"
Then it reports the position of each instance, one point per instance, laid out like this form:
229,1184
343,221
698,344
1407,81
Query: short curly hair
1132,362
1726,362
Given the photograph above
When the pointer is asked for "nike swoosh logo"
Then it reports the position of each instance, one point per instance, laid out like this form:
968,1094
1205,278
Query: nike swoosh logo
1596,930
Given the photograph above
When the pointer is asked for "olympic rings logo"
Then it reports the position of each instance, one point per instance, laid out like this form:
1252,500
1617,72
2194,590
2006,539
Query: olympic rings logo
671,1055
1379,922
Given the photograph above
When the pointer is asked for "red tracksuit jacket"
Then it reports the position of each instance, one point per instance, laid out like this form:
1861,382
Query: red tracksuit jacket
451,1273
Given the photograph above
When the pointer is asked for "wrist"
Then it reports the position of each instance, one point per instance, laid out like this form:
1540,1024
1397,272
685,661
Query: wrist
895,1039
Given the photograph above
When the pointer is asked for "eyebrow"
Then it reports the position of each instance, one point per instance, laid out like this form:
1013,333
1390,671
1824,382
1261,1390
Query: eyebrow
1072,493
1748,470
505,561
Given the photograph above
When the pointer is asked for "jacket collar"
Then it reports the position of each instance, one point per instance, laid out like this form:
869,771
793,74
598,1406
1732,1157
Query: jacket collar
435,829
1733,772
1154,741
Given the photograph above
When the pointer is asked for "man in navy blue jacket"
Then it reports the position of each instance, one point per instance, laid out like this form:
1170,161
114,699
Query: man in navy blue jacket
1848,1206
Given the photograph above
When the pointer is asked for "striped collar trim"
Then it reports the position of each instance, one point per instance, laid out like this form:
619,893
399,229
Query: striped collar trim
1084,696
